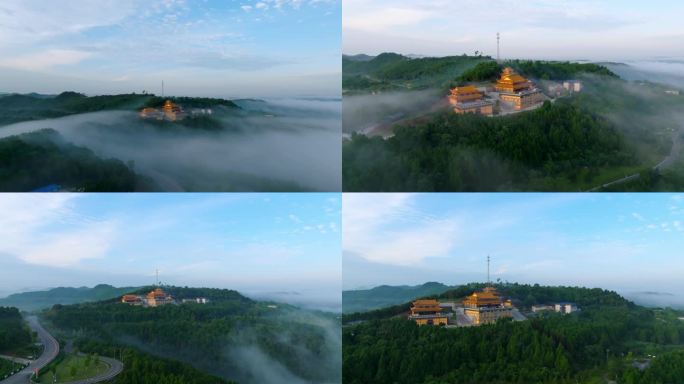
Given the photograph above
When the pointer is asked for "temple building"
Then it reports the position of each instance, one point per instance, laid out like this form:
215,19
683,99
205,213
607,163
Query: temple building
517,90
427,312
132,299
486,306
158,297
172,111
169,111
469,99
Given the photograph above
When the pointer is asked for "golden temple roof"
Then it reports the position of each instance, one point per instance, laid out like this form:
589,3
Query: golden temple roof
465,89
488,296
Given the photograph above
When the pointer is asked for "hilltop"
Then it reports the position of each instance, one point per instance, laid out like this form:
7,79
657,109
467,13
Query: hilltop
610,134
25,107
609,337
230,336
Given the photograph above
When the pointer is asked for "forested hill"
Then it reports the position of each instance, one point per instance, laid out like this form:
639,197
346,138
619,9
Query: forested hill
18,107
395,72
392,71
523,296
605,339
43,158
13,332
386,295
232,336
556,147
29,301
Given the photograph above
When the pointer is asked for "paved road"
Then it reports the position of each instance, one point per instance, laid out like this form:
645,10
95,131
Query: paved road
49,353
677,142
115,367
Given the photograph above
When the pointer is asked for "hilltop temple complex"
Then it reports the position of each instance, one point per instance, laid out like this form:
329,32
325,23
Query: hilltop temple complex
154,298
169,111
427,312
511,92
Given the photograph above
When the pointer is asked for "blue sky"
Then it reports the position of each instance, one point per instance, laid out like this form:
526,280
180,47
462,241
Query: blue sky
270,245
542,29
626,242
237,48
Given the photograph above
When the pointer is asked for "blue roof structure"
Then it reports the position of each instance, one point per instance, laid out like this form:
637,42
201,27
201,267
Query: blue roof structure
48,188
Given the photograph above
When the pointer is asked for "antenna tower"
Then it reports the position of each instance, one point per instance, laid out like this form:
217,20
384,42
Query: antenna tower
498,58
488,281
162,88
157,271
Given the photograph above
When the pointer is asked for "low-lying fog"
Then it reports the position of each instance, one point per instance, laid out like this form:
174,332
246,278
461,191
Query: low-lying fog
664,71
280,144
360,113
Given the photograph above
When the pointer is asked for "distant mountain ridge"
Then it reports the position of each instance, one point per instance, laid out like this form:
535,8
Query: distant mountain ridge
36,300
387,295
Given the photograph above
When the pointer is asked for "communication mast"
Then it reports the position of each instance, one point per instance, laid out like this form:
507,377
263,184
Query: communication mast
488,281
162,88
498,58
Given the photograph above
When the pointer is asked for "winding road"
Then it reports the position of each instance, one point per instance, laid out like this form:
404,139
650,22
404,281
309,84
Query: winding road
677,143
115,367
51,351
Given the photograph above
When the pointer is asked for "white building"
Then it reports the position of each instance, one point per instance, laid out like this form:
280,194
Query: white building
573,85
198,300
541,308
566,308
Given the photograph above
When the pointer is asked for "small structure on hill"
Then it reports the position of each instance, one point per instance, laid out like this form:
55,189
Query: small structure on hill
572,85
427,312
132,299
198,300
566,307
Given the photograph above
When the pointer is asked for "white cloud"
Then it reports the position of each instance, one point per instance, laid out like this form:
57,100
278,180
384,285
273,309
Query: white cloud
44,60
386,18
43,229
66,249
374,230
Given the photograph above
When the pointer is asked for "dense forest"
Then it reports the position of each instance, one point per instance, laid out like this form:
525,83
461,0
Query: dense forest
13,332
37,159
30,301
559,145
557,70
391,71
218,337
600,341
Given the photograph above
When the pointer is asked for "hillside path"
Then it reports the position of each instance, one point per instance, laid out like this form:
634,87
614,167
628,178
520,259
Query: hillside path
50,351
